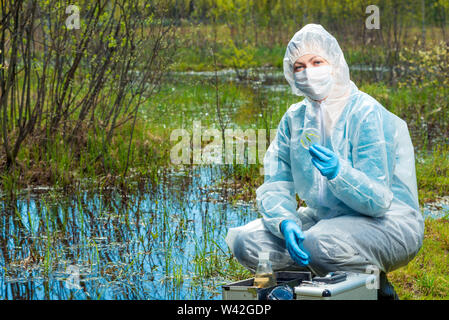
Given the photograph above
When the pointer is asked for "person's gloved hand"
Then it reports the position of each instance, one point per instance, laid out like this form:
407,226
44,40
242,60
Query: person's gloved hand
293,240
325,160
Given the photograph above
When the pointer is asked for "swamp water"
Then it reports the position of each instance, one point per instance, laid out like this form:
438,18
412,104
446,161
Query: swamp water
164,243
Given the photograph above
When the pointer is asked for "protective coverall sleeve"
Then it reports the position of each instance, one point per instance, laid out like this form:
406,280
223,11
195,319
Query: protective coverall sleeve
365,185
276,198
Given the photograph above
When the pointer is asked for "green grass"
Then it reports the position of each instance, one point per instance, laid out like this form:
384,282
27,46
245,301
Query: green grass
426,276
61,167
433,174
178,105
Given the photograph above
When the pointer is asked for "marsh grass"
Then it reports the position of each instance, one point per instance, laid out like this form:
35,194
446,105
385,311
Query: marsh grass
433,174
427,276
62,170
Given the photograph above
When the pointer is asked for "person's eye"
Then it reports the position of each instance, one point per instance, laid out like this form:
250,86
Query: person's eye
299,68
318,62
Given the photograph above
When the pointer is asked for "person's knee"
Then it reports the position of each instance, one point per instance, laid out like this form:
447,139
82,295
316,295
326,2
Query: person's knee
318,253
330,253
245,252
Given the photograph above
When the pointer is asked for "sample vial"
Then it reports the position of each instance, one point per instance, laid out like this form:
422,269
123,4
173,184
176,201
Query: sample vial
264,277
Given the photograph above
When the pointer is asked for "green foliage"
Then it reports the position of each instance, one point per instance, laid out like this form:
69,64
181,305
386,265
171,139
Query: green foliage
425,68
425,109
240,59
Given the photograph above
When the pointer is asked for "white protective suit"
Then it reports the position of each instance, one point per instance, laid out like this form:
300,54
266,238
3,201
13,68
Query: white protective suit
369,213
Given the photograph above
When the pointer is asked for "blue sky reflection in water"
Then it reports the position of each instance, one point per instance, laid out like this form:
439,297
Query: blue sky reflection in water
164,243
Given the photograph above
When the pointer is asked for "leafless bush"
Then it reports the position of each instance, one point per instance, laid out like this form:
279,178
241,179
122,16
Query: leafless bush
57,82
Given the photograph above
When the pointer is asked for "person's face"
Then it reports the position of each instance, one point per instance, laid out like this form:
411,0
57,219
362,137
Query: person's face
309,61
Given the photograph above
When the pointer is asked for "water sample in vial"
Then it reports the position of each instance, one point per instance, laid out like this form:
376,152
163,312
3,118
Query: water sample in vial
264,277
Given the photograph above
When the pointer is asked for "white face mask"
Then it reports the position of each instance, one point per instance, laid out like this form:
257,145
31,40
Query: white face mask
314,82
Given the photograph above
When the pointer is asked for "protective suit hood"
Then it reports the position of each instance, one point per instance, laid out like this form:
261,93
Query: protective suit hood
314,39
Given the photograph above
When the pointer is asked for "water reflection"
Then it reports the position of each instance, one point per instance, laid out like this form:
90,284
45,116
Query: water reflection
273,77
165,242
438,209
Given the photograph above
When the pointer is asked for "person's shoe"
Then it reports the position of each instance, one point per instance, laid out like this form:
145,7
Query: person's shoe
386,289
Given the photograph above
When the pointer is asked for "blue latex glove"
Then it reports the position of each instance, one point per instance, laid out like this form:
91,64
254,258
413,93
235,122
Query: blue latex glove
293,240
325,160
